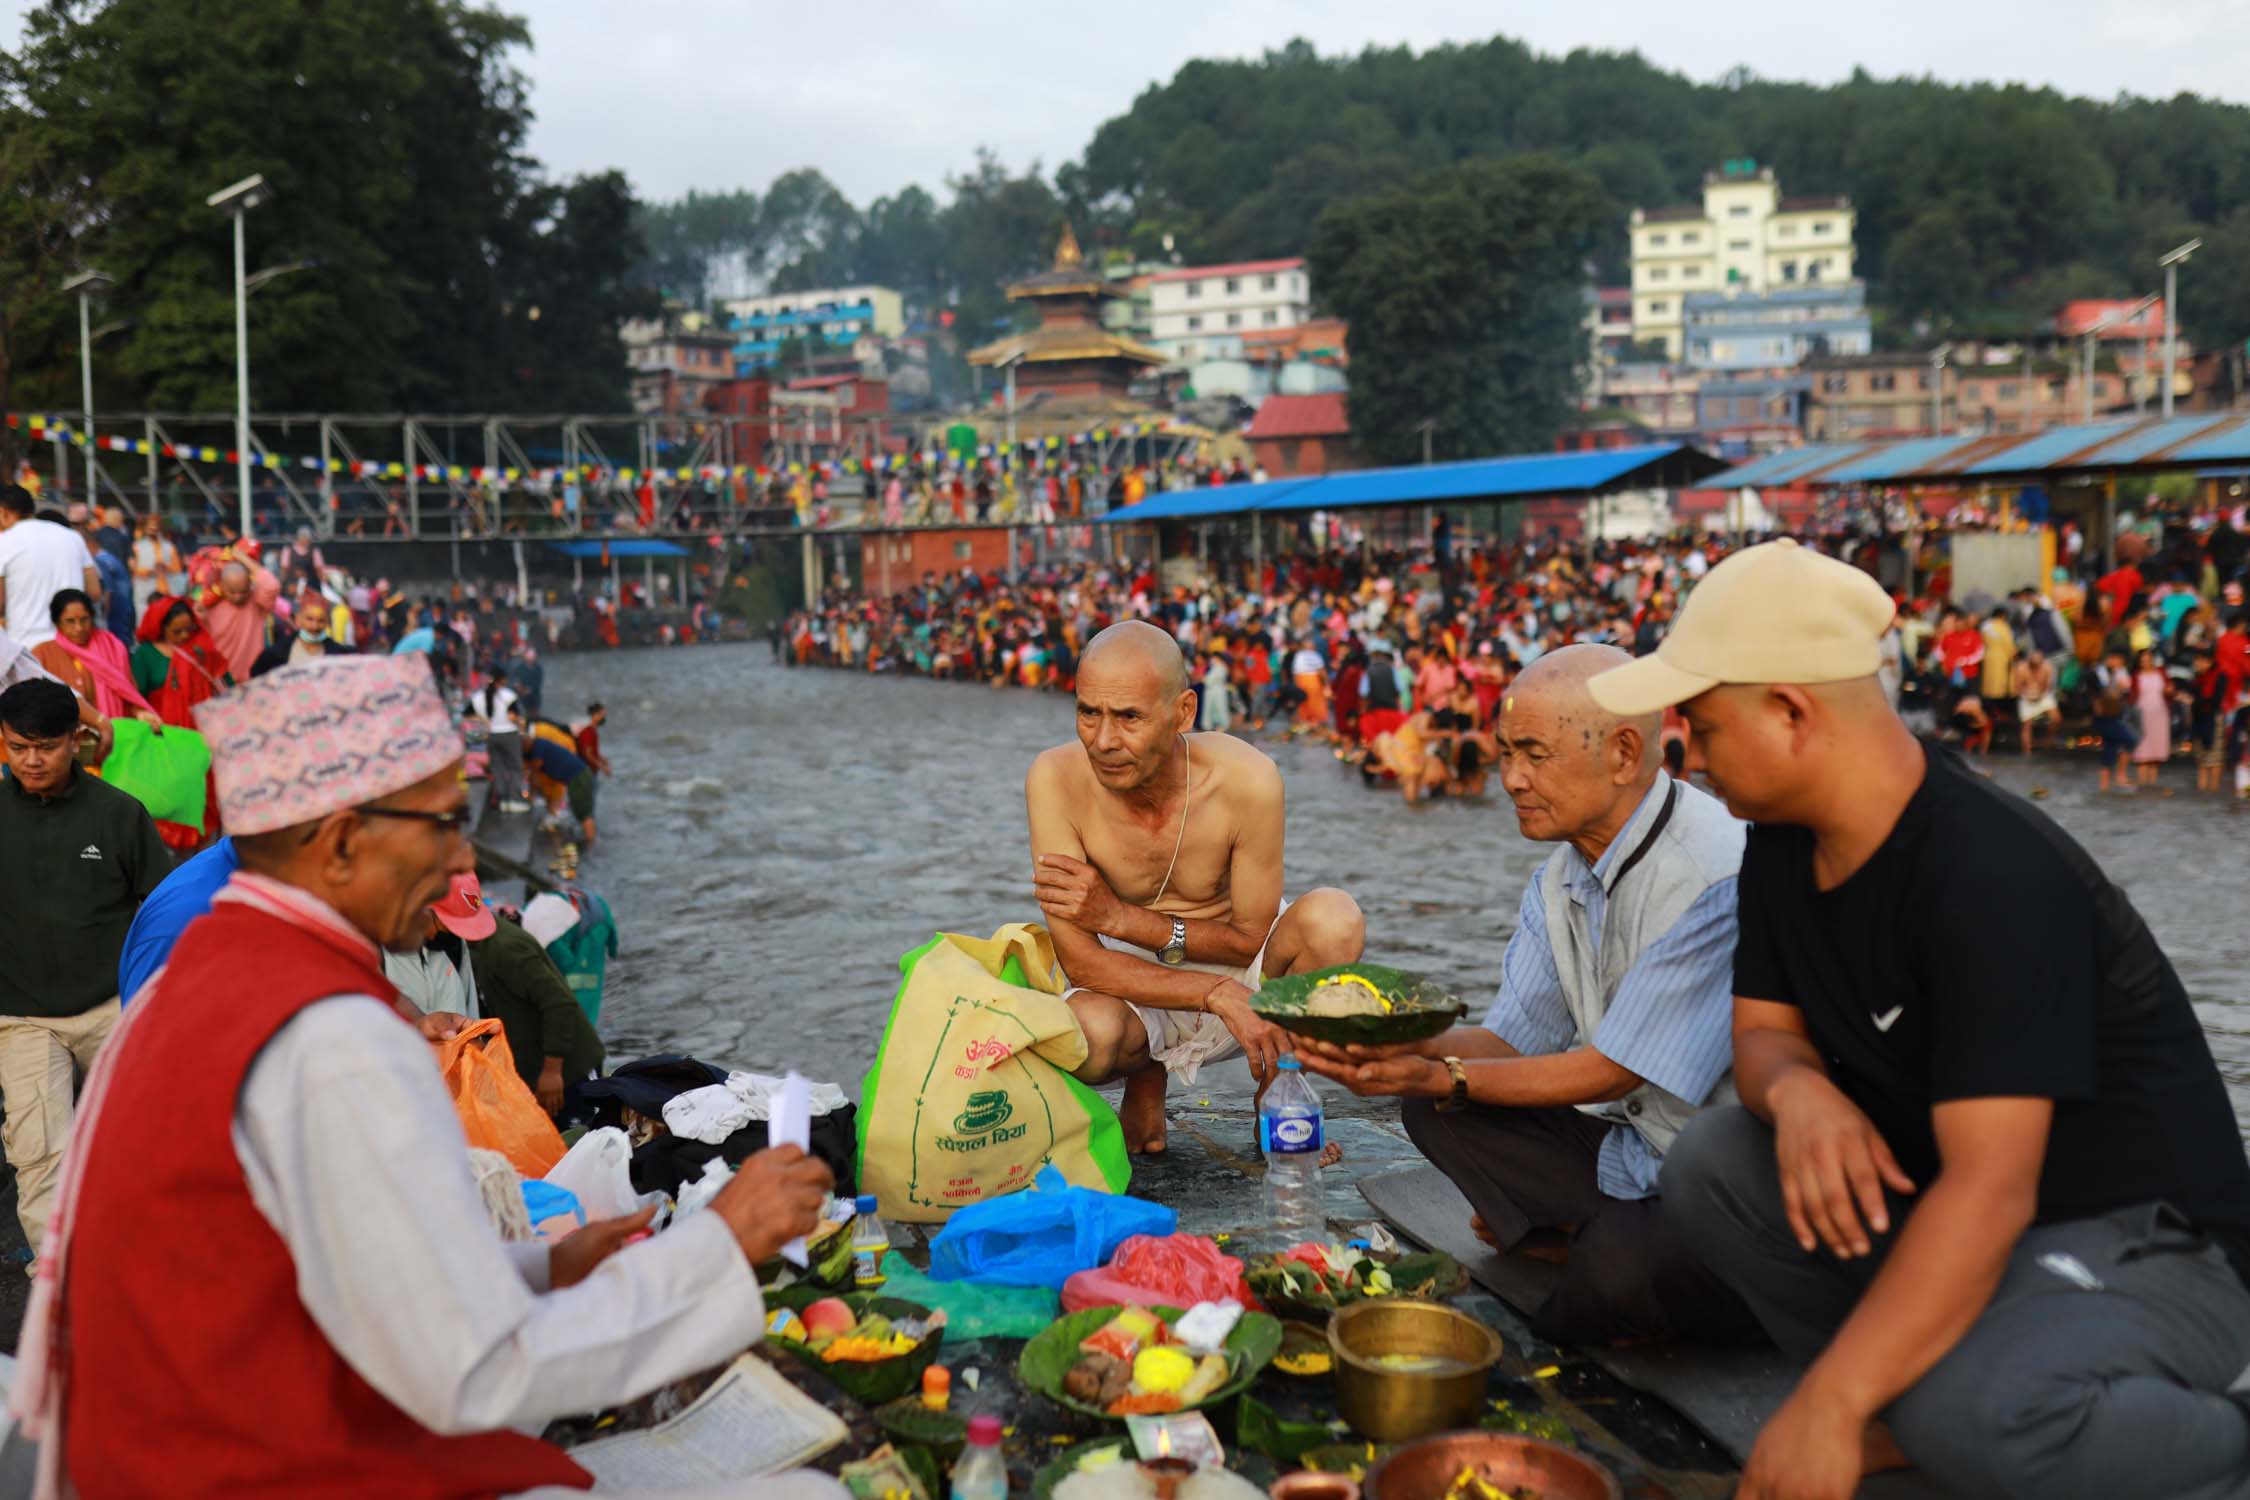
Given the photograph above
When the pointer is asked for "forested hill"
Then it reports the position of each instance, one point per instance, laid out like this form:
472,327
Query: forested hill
1978,205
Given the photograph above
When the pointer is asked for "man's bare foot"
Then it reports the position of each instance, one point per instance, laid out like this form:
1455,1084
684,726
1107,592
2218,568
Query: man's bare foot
1331,1154
1142,1112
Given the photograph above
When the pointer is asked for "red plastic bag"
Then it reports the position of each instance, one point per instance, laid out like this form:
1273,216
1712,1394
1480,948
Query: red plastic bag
1178,1270
498,1111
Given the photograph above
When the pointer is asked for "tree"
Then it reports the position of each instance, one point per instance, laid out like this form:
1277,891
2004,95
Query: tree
1463,288
392,132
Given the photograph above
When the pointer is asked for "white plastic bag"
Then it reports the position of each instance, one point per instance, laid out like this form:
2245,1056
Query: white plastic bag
598,1171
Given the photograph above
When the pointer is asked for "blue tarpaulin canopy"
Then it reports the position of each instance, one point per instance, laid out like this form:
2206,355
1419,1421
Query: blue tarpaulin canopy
631,547
2204,440
1425,484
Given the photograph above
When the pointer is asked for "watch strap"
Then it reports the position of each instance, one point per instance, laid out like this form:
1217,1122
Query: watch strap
1460,1095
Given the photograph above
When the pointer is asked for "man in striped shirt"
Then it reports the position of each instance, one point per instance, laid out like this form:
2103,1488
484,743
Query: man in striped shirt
1610,1029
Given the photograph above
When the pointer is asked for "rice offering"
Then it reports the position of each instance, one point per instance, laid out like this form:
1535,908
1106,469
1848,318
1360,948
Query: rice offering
1347,995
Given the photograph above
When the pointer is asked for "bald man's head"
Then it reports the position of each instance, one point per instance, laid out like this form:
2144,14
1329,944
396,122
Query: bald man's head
1133,705
234,583
1135,646
1572,769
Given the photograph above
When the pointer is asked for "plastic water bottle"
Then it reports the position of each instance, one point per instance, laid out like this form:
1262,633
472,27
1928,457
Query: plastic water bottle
979,1474
1291,1135
869,1241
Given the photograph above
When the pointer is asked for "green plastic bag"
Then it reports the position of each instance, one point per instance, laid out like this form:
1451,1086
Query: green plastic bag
971,1094
973,1311
168,772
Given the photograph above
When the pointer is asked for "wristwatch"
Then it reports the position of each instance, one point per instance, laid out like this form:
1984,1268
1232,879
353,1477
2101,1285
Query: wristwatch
1175,952
1460,1094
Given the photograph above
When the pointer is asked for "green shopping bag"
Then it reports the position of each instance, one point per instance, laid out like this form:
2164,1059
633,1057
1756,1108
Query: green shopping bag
167,770
971,1092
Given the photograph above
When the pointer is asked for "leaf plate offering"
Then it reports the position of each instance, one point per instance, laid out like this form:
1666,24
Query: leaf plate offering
1363,1003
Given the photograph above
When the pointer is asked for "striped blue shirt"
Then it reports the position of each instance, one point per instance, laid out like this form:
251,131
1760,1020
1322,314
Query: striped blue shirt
1671,1020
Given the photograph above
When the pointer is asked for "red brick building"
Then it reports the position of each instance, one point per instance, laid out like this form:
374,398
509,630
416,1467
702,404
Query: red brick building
1294,435
894,560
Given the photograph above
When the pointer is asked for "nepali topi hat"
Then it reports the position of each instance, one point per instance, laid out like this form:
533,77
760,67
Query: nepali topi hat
318,737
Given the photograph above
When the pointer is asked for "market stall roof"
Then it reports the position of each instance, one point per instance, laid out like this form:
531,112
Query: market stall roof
631,547
2204,440
1559,474
1209,500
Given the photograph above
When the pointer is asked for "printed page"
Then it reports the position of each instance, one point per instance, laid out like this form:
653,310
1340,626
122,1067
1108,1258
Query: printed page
751,1421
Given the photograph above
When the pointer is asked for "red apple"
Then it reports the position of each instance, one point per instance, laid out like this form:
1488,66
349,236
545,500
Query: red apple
829,1318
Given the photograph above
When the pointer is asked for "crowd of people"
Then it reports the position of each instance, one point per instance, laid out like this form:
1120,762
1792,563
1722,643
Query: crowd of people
1400,659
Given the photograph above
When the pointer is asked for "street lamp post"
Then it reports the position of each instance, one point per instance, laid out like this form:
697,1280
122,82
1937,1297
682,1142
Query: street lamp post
1937,389
237,201
85,284
2171,264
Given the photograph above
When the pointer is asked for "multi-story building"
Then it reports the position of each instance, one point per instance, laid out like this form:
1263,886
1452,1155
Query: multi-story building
1609,322
1202,312
1738,329
1659,396
835,317
1870,396
1744,236
1738,416
676,361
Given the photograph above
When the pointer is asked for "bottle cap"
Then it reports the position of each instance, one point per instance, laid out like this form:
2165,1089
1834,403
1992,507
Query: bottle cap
866,1203
984,1430
1290,1063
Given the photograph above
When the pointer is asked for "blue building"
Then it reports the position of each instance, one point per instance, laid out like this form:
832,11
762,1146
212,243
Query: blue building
1775,329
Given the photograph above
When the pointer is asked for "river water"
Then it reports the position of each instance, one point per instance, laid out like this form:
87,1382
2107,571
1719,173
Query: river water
774,839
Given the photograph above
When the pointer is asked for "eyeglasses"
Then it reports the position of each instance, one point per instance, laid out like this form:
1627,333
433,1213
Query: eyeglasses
446,822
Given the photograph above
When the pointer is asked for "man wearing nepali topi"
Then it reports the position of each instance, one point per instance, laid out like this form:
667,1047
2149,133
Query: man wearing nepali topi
270,1270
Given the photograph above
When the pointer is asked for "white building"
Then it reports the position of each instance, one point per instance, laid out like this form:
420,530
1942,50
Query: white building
1745,237
1201,312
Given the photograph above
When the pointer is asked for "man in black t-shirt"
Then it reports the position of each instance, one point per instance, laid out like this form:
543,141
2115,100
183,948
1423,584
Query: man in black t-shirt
1985,1176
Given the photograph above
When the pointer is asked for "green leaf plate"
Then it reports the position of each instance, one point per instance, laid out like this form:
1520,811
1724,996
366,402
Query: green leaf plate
873,1382
1430,1274
1048,1356
1420,1009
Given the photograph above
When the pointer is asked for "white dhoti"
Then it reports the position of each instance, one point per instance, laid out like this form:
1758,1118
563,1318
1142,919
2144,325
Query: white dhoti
1182,1041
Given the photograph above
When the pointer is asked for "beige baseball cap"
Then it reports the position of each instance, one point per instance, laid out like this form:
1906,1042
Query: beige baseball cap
1776,612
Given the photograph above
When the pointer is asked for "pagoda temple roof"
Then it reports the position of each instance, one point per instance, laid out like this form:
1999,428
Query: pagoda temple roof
1051,342
1071,274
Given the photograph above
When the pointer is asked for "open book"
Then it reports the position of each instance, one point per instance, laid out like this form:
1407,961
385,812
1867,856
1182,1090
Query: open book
751,1421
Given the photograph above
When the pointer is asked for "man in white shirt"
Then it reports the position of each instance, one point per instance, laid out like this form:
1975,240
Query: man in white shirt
38,560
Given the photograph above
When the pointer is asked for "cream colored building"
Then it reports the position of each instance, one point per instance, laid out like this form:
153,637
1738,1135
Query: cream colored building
1745,237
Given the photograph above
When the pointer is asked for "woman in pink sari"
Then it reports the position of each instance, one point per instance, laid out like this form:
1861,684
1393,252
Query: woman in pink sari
91,663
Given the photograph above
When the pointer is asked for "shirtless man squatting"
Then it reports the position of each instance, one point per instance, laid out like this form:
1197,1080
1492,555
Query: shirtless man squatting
1157,861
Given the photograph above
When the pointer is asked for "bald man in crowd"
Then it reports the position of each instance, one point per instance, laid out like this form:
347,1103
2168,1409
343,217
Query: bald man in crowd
1610,1029
1157,861
238,616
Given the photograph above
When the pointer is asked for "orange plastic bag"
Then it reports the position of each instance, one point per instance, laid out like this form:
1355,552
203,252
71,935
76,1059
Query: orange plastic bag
498,1110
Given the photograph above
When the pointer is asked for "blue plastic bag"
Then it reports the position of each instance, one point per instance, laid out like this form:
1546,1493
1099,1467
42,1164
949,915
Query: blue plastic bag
1043,1236
544,1201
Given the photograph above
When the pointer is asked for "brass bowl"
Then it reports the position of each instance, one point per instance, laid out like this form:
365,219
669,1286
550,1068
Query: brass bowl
1388,1405
1308,1484
1506,1461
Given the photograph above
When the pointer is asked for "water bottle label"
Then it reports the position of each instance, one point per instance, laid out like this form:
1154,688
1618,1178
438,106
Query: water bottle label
1291,1135
864,1272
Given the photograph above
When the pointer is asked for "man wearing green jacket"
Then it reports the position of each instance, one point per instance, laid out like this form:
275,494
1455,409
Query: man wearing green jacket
518,985
77,858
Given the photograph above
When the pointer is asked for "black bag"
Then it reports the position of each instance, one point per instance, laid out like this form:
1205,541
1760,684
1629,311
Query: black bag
669,1162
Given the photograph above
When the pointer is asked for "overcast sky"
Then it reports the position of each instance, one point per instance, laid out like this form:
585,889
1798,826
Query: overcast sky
878,94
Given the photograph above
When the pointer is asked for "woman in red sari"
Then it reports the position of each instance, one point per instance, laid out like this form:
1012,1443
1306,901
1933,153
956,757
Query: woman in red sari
176,666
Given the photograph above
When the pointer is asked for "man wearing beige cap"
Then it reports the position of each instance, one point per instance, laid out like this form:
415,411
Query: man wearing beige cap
270,1270
1984,1176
